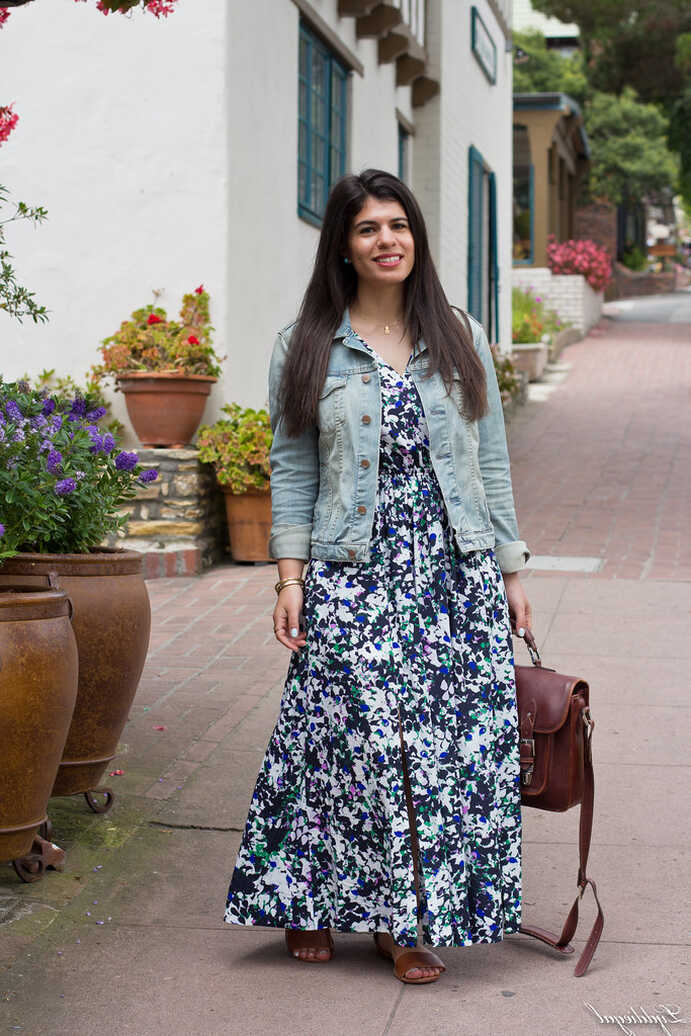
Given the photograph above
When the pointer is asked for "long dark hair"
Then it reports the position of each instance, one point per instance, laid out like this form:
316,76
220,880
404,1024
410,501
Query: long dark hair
333,286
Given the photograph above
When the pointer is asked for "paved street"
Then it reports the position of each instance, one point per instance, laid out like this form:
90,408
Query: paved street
129,939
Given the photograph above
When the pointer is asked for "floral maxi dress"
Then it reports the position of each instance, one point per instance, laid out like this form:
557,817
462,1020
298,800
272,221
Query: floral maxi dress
413,646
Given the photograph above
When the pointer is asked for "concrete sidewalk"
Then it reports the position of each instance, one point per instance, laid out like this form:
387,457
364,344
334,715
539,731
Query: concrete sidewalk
129,939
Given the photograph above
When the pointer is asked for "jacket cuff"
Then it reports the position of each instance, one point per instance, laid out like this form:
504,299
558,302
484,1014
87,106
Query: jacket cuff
290,541
512,557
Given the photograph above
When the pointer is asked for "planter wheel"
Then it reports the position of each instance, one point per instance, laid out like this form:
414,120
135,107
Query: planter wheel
44,854
94,804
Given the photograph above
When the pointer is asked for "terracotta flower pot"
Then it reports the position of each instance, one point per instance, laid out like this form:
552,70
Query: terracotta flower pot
112,622
38,689
249,524
165,408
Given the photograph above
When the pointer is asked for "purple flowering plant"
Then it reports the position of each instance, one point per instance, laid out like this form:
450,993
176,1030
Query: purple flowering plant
63,477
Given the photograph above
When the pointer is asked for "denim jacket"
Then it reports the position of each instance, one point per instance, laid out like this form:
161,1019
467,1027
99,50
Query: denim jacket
323,483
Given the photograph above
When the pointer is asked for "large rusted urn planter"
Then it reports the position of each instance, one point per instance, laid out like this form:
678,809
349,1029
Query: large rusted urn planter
112,622
165,408
249,524
38,689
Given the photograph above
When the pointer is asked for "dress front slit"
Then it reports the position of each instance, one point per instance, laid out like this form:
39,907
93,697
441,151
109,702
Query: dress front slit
389,794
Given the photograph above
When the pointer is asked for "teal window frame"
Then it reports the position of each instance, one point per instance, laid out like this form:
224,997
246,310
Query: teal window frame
322,122
477,201
531,201
403,152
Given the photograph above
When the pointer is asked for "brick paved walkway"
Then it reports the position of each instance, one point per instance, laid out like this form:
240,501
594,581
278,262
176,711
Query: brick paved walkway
603,466
129,939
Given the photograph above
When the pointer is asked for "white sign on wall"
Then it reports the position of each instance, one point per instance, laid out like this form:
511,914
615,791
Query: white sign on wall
483,46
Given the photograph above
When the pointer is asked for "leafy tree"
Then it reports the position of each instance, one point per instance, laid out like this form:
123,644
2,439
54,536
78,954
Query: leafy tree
540,70
643,44
630,156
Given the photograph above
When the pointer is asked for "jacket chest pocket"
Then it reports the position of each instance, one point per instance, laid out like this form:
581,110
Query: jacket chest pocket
330,409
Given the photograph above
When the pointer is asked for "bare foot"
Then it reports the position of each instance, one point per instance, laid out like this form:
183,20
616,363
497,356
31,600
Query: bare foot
311,945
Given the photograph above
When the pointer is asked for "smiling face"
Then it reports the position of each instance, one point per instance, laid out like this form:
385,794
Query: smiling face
380,243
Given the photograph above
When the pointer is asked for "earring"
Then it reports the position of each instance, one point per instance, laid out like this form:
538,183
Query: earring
346,259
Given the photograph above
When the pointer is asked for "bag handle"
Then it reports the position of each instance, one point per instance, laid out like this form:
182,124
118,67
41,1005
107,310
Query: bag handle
562,943
531,644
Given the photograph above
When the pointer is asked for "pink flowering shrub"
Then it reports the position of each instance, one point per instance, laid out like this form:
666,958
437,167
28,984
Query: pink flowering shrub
8,120
594,262
159,8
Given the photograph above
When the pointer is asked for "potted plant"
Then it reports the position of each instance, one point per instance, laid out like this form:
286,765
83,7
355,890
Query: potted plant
238,446
533,327
63,481
165,369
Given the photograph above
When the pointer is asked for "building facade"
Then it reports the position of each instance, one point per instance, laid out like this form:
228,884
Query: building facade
200,149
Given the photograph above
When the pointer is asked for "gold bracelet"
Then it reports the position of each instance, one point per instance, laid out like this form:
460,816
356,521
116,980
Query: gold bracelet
288,582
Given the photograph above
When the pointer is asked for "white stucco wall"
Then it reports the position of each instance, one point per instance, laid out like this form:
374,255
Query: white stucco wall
166,154
469,110
122,120
271,250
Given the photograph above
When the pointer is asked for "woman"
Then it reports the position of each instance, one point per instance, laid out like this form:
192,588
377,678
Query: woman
388,801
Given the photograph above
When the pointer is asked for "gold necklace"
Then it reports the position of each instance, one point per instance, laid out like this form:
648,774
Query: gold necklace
386,326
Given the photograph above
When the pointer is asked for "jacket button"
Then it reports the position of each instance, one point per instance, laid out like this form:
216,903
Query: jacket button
366,377
364,463
366,419
351,553
361,509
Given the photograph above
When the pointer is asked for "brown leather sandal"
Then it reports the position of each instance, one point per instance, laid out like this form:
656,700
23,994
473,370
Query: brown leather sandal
321,939
415,957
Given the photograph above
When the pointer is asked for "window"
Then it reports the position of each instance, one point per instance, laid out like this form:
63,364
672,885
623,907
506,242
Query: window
403,153
321,124
522,196
483,262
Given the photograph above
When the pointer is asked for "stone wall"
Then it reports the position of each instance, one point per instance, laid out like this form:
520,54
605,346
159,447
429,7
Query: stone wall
632,283
178,521
569,294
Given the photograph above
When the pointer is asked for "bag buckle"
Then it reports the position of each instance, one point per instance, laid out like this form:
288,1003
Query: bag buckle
527,773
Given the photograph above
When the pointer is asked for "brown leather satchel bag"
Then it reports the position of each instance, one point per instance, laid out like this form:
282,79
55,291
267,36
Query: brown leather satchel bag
557,772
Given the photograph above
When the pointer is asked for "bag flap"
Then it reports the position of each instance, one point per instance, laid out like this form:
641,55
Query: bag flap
552,693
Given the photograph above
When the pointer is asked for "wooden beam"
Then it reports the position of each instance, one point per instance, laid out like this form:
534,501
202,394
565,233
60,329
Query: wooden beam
355,8
392,47
399,42
424,89
378,23
408,69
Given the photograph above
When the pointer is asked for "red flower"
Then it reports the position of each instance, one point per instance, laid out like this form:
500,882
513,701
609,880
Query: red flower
160,8
153,319
8,120
193,340
4,15
199,290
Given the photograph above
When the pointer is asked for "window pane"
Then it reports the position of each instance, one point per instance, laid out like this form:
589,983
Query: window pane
318,113
318,72
302,183
318,153
304,56
302,141
522,195
317,199
303,100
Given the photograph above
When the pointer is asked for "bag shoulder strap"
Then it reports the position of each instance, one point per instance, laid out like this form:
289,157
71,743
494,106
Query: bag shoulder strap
585,827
